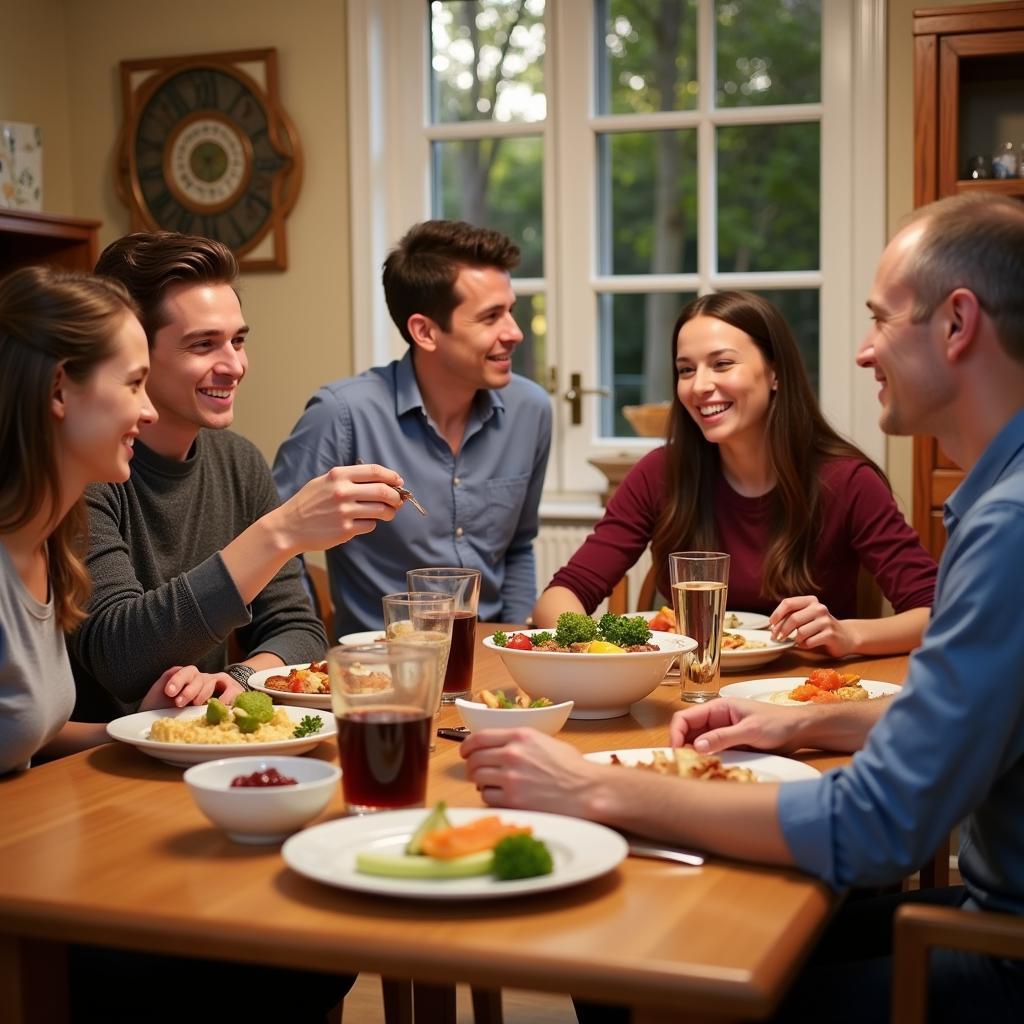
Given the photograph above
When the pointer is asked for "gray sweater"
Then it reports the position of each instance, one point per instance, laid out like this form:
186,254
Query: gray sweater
36,688
162,595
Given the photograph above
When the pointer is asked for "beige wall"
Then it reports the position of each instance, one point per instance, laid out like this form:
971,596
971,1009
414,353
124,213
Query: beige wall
34,87
900,178
300,318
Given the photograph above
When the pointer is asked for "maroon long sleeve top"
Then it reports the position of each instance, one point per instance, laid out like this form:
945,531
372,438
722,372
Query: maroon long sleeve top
860,526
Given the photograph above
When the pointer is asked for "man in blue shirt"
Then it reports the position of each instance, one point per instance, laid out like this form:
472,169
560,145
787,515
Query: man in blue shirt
947,348
470,436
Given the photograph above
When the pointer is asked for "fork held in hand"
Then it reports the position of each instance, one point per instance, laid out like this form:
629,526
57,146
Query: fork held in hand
404,493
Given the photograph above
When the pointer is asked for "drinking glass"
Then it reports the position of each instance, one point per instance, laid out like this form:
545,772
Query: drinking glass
463,585
383,697
425,621
700,585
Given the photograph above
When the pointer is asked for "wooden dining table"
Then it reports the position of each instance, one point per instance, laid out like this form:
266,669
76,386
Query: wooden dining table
107,847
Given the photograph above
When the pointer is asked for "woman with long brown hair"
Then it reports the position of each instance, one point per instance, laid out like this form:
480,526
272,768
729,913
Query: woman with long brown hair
752,468
73,365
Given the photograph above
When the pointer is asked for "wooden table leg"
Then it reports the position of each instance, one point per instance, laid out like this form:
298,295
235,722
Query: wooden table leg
33,981
433,1004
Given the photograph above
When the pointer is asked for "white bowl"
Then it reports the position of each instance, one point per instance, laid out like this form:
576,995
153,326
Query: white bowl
600,685
479,716
262,814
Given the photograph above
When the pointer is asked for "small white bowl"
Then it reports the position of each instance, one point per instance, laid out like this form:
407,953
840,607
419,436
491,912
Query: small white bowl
262,814
478,716
600,685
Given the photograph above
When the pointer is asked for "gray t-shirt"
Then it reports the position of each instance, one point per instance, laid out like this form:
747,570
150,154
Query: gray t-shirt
37,691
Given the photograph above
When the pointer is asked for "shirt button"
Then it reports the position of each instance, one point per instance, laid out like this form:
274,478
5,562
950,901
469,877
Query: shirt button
456,482
459,532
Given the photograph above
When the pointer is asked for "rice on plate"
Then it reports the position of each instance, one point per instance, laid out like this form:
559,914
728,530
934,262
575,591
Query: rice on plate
198,730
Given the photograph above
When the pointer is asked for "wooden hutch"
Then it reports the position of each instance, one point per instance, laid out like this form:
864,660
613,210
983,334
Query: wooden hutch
27,238
968,79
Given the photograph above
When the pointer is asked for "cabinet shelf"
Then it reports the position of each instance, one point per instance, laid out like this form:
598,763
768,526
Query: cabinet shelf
995,186
27,238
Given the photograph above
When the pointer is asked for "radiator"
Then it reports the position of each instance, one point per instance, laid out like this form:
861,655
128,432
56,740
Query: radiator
557,542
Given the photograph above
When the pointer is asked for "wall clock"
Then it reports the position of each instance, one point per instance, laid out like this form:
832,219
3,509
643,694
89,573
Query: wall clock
206,149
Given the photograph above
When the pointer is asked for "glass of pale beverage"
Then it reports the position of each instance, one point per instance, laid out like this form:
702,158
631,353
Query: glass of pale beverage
424,621
700,585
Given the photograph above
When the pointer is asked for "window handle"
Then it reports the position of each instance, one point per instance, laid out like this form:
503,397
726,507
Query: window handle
574,396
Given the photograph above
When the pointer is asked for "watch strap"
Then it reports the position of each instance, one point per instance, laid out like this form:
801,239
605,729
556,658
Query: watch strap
240,673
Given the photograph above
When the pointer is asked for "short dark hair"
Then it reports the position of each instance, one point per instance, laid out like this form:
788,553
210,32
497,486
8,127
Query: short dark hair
976,242
147,263
420,272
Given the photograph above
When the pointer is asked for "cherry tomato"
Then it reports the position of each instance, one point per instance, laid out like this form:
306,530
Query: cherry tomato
519,642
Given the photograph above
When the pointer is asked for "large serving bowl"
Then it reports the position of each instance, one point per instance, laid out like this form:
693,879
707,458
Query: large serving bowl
262,814
600,685
478,716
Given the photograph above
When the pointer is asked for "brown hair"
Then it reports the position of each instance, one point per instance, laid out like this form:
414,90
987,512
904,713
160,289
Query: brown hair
148,263
799,441
420,272
976,242
49,318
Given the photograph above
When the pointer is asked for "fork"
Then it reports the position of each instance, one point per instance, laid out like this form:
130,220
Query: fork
404,493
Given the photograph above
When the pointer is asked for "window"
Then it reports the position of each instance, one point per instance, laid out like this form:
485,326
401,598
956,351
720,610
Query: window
640,152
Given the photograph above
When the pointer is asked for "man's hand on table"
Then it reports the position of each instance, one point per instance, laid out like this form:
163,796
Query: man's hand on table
185,684
526,769
732,722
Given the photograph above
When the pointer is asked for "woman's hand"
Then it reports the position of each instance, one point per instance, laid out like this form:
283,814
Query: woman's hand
182,685
730,722
526,769
815,627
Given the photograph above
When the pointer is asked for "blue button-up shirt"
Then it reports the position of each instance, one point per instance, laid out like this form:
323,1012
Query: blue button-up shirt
952,743
482,503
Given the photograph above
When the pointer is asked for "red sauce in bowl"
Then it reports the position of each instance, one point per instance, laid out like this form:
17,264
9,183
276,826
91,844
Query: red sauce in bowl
270,777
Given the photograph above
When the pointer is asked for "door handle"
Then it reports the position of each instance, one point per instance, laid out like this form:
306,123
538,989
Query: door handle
574,396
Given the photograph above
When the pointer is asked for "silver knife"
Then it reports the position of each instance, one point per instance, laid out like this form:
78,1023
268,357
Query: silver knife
649,850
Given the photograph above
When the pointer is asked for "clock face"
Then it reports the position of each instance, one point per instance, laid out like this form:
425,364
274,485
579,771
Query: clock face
203,158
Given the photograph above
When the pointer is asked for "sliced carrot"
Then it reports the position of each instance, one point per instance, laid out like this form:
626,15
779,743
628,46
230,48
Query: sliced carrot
805,691
461,840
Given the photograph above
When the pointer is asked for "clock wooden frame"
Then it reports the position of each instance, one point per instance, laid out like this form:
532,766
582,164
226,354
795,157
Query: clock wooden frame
251,219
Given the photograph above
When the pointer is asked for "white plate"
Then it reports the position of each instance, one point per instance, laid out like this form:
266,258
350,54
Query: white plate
367,636
134,729
766,689
733,660
326,853
258,681
767,767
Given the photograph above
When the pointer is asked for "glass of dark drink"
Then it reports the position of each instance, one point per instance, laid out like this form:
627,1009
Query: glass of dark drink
384,698
464,586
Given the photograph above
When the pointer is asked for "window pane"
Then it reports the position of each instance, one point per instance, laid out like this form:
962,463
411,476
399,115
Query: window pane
530,357
647,55
494,183
487,60
648,189
637,353
767,51
768,197
801,310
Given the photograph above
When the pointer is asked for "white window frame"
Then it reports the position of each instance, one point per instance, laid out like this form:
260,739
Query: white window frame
390,139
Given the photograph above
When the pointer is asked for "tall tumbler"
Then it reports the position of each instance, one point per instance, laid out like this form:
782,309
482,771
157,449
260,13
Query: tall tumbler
700,585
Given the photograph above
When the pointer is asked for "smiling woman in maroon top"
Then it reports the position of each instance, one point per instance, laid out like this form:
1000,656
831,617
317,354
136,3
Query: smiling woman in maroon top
752,468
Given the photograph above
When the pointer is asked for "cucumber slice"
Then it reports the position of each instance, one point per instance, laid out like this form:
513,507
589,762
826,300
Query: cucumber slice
436,819
403,866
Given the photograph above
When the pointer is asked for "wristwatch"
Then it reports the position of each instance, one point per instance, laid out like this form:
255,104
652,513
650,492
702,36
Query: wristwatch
240,674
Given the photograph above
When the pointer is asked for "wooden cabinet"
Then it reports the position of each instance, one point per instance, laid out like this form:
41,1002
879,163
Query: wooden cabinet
44,238
968,98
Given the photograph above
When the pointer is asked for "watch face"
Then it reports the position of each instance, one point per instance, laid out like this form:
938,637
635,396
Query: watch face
203,158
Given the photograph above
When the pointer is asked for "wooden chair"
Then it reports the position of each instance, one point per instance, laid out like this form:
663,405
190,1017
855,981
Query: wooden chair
618,599
322,604
919,929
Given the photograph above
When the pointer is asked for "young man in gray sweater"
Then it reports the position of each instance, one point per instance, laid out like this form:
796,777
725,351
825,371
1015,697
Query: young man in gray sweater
194,545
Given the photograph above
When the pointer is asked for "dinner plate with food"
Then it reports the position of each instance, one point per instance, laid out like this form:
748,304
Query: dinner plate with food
747,648
367,636
184,736
305,686
456,853
666,619
822,686
728,766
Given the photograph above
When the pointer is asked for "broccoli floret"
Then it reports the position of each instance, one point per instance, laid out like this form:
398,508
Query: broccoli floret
215,711
500,638
255,704
541,638
521,856
624,630
574,628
